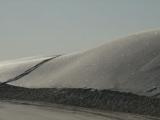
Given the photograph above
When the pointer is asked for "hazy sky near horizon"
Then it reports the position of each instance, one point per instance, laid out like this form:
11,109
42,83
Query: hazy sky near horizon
39,27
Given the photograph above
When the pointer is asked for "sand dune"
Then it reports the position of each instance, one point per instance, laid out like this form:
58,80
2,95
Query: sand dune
119,76
129,64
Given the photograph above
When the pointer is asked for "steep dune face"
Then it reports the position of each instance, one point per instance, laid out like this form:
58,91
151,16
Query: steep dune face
130,64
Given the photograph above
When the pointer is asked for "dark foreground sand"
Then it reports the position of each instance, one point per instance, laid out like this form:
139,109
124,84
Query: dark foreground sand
87,98
18,111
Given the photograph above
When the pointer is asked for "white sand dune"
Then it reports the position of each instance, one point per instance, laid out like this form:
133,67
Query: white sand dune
130,64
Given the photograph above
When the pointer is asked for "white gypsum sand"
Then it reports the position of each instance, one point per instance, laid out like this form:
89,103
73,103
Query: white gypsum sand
129,64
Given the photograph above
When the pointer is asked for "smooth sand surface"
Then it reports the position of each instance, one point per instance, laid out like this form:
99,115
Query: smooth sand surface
14,111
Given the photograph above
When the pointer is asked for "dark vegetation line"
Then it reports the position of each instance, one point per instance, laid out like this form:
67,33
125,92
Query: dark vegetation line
88,98
151,90
154,69
28,71
156,95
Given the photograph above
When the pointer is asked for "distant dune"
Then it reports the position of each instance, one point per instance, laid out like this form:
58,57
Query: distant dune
129,66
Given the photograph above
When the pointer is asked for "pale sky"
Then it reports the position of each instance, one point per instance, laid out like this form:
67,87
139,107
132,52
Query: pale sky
42,27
